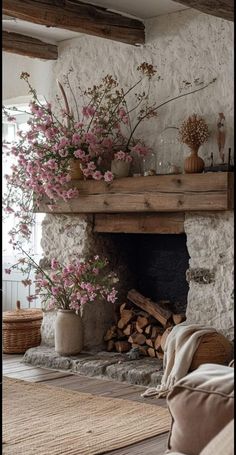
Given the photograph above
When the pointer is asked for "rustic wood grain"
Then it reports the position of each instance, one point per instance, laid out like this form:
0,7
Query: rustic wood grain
79,17
221,8
139,223
209,181
153,308
182,193
26,45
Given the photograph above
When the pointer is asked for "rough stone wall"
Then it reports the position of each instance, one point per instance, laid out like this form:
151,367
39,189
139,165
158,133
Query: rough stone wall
65,237
210,244
183,46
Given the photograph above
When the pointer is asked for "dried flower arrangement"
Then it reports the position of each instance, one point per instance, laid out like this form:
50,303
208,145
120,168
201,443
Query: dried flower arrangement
194,131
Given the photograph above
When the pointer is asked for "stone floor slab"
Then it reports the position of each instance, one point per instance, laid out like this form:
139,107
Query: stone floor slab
145,371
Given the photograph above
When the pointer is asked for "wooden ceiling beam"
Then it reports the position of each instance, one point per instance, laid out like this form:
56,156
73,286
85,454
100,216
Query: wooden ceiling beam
79,17
28,46
219,8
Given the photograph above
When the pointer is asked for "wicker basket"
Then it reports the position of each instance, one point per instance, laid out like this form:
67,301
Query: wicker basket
213,348
21,330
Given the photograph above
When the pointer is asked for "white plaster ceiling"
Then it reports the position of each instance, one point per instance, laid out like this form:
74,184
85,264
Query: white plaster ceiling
140,9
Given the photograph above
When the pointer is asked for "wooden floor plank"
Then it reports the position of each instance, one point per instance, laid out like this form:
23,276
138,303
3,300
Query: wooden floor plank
16,368
35,374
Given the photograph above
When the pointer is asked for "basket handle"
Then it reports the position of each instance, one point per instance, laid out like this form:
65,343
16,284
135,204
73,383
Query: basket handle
18,305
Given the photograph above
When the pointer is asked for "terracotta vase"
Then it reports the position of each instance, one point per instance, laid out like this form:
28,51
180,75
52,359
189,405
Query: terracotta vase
193,163
120,168
68,333
75,170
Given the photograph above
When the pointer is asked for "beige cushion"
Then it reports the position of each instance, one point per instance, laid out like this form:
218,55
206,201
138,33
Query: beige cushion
222,443
201,404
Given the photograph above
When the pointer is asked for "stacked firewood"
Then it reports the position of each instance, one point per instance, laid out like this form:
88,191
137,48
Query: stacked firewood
143,324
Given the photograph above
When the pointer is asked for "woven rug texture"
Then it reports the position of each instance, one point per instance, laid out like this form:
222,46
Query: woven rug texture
43,420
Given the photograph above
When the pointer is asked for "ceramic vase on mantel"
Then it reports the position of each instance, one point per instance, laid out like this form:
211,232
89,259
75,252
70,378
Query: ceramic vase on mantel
120,168
193,163
68,333
75,169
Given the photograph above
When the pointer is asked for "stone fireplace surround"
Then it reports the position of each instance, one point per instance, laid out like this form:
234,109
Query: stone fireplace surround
209,240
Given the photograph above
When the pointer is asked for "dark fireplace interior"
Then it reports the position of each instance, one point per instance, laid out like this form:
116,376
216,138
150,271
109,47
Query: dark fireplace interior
153,264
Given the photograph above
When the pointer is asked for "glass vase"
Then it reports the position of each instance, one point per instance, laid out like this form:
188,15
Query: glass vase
169,149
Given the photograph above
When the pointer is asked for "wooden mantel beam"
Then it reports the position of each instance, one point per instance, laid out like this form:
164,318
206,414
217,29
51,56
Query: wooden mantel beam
26,45
79,17
219,8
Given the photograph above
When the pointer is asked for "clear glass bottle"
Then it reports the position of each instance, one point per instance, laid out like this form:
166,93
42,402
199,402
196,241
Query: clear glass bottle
168,147
149,164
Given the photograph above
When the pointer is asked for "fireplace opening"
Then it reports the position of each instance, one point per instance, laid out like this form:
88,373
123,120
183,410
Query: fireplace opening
154,264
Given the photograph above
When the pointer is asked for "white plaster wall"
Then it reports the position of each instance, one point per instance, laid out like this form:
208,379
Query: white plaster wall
183,46
39,70
210,243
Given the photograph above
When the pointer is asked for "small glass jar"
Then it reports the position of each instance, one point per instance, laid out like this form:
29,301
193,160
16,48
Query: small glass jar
149,164
160,167
168,147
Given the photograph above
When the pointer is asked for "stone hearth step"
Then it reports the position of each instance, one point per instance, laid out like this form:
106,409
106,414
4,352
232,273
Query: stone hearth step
145,371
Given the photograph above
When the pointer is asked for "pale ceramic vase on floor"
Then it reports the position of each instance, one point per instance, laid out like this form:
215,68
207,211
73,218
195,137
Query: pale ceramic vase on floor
120,168
68,333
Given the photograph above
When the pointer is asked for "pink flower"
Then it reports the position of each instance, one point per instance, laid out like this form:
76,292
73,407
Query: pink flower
63,153
83,299
54,264
8,271
79,125
141,150
121,112
55,291
9,210
97,175
88,111
75,138
108,176
79,154
107,142
91,166
71,193
111,297
123,156
86,172
42,283
69,268
90,137
63,142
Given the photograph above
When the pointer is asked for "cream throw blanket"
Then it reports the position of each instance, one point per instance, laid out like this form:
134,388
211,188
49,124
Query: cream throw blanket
179,349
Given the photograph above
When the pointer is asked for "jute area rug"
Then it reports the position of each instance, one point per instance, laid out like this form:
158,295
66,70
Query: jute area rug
44,420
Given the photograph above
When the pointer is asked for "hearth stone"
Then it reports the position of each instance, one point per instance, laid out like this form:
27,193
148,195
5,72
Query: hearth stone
145,371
